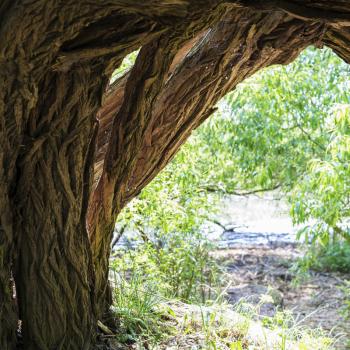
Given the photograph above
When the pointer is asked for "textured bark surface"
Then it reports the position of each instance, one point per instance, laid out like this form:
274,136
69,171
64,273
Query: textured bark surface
126,136
231,52
65,175
49,99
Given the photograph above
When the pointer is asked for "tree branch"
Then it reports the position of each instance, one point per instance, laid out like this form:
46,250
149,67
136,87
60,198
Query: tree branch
240,192
321,147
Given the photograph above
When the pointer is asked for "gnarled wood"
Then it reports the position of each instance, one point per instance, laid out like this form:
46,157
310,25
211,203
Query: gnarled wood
126,137
217,64
48,122
55,61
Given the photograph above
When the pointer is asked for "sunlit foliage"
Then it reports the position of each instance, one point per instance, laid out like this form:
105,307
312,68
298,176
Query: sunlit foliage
286,127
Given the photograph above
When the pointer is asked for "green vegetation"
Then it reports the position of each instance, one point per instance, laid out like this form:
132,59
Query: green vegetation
329,258
127,63
286,128
153,322
346,308
136,304
180,265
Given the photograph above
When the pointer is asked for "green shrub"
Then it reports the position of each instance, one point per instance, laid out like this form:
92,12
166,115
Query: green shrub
322,194
177,267
329,258
180,265
272,131
346,308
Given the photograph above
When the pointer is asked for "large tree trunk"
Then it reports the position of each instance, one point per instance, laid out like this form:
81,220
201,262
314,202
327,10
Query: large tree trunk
55,62
53,270
49,99
8,316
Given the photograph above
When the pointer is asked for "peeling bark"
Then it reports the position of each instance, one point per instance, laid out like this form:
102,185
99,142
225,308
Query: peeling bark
49,99
228,54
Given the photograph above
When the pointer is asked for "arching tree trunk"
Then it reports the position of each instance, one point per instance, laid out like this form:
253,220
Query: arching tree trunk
55,62
126,137
233,50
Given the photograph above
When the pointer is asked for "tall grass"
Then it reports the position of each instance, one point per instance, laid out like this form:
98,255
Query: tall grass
138,306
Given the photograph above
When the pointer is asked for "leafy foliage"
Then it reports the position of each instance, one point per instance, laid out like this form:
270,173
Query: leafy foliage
137,306
346,308
125,66
278,118
287,128
168,216
329,258
324,192
174,201
180,265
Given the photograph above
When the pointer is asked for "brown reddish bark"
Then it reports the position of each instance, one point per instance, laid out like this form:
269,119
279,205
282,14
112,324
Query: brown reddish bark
55,59
48,102
219,62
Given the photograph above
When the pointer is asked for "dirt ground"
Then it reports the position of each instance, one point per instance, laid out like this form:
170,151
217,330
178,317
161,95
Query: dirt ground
314,302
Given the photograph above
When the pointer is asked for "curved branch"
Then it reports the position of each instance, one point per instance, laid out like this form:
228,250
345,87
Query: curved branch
223,58
128,131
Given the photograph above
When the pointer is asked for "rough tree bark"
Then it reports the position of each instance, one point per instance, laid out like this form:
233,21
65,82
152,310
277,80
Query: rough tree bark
55,62
54,70
130,125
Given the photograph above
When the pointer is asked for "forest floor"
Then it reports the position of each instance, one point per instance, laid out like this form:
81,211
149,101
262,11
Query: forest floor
252,273
314,301
258,262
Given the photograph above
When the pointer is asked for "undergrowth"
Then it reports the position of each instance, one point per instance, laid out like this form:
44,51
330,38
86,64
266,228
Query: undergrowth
165,299
148,321
172,267
181,266
137,306
346,307
332,257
